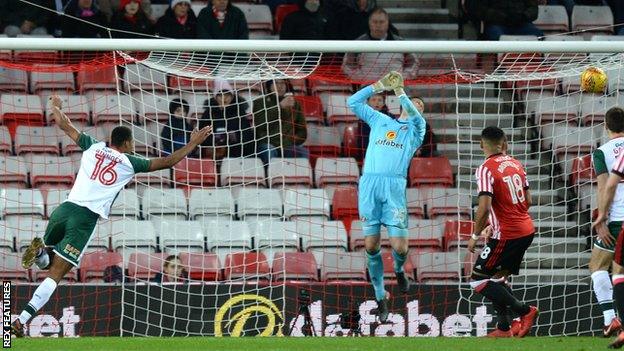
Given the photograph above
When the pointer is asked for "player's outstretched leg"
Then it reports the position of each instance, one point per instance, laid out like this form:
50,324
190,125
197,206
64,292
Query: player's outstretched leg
376,271
618,294
603,289
399,255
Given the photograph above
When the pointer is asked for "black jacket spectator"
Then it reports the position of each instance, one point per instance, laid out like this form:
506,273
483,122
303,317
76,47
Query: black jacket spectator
219,21
308,23
348,19
130,23
24,18
74,28
507,12
178,132
429,147
177,26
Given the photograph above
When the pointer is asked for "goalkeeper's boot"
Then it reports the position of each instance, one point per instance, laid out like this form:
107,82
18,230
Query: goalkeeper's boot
403,282
17,329
612,328
31,253
515,327
497,333
618,342
382,309
527,321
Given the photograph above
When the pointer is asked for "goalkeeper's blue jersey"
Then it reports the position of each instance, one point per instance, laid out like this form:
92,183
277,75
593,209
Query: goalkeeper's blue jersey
392,142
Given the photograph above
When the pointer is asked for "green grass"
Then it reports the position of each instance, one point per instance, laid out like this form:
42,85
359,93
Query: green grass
312,344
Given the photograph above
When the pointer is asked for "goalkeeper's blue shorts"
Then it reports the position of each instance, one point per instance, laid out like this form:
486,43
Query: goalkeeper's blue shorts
382,201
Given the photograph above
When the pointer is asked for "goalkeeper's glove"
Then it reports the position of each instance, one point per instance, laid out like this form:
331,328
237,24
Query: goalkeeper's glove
390,81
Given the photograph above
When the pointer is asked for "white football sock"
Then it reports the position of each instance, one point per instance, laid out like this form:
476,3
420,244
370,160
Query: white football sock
39,299
603,289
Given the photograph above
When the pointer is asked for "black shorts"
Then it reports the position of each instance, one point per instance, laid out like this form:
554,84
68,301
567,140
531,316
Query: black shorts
501,255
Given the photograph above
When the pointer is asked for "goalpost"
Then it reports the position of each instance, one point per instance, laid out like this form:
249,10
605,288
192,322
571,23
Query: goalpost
277,248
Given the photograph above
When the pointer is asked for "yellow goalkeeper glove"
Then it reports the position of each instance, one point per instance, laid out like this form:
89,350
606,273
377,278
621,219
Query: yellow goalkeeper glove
390,81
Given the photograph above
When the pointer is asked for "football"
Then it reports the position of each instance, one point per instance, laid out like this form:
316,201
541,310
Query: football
593,80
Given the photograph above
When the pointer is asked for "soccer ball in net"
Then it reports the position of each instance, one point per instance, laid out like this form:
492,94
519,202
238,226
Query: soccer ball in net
593,80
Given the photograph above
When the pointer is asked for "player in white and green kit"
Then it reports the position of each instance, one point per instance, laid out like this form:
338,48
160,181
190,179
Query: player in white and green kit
603,250
104,171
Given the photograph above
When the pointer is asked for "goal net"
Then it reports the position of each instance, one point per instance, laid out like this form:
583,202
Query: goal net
257,232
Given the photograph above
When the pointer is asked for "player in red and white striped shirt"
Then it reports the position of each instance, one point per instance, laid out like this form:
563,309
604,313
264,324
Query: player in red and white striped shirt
504,199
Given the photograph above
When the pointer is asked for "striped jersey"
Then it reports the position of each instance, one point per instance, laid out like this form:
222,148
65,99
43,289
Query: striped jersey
103,173
503,178
603,160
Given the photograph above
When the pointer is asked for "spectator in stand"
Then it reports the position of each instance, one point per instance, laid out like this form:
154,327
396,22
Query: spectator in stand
108,7
173,271
429,147
131,21
348,19
273,4
232,134
83,10
178,22
308,23
617,7
221,20
278,112
21,18
510,17
178,132
568,4
370,67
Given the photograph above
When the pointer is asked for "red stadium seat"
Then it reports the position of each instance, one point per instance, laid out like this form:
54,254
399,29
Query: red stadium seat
93,264
457,233
312,108
21,110
143,265
430,171
351,143
582,170
101,79
294,266
196,172
281,12
345,204
246,265
202,266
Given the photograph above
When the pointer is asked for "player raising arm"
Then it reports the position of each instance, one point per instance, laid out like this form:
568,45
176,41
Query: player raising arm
103,173
381,196
504,199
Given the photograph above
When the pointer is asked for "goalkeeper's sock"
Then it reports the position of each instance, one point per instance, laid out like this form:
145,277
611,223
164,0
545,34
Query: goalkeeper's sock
399,261
618,293
39,299
603,289
496,291
376,271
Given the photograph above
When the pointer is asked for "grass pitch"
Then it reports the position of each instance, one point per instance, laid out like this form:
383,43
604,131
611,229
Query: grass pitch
311,344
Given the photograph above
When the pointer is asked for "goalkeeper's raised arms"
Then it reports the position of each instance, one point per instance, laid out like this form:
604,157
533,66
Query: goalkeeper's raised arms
391,81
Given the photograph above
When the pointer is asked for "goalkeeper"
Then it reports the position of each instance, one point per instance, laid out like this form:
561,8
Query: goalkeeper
381,198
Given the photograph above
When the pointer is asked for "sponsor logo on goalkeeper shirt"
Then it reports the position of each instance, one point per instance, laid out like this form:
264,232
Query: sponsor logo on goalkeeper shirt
248,307
389,140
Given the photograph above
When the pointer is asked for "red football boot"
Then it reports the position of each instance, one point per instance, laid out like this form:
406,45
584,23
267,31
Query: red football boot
527,321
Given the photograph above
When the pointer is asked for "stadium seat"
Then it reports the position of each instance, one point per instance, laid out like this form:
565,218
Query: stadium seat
242,171
13,80
211,203
430,171
322,142
7,239
103,78
312,108
36,140
20,109
592,19
70,148
161,178
594,108
202,266
457,234
437,266
281,12
50,172
425,233
288,172
129,235
145,138
336,171
225,236
338,266
388,264
93,264
145,266
190,84
415,203
166,203
345,203
11,268
25,229
338,111
196,172
582,170
6,143
51,77
112,108
259,18
571,140
13,171
54,198
351,143
141,77
356,237
256,202
306,202
246,266
552,19
294,266
446,202
274,235
101,238
177,236
126,204
557,109
152,106
318,233
76,107
21,202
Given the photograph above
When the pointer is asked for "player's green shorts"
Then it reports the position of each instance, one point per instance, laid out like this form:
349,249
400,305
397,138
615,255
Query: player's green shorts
614,228
69,230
